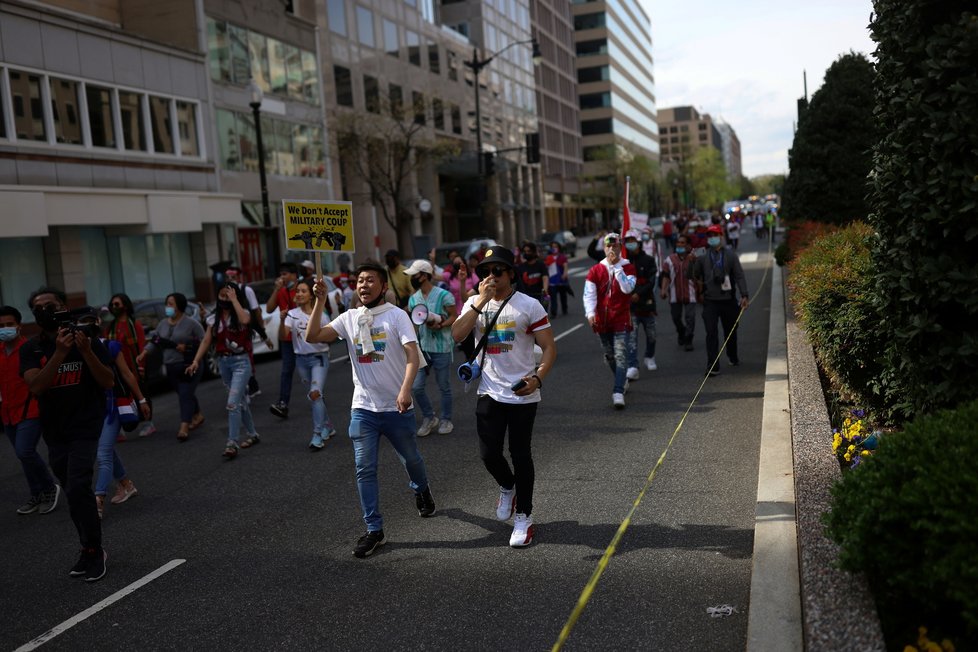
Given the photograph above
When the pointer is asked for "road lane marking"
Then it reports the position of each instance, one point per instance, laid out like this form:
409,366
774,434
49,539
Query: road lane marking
339,359
579,272
94,609
748,257
565,333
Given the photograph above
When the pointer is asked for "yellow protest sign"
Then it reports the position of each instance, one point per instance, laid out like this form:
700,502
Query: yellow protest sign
318,225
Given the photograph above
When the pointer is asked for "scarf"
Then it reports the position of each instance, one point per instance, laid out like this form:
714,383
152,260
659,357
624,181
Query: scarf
365,319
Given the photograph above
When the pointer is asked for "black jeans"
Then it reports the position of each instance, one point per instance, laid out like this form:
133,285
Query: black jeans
684,318
186,388
726,312
558,292
73,463
492,418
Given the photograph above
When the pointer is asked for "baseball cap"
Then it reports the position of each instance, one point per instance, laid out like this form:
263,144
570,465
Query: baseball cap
715,228
632,233
309,264
418,267
498,254
611,238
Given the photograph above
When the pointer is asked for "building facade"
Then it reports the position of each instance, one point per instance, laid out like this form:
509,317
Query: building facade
730,146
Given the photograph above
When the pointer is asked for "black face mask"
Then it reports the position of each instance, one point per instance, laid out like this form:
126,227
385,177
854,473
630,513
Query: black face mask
416,282
46,318
529,256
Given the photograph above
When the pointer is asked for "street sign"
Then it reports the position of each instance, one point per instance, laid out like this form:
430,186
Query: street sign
321,226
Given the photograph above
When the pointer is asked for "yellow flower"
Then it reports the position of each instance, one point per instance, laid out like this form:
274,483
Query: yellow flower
864,453
848,457
851,448
947,645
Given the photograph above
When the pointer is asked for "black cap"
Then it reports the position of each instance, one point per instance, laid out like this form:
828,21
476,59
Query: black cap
498,254
393,252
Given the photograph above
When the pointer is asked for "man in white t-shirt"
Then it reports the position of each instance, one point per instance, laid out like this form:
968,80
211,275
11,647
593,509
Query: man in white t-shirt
509,385
384,357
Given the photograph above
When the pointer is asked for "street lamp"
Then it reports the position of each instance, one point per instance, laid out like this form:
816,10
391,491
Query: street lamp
256,98
477,65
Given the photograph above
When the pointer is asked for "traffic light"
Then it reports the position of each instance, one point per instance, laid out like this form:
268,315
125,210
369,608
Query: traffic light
533,147
488,163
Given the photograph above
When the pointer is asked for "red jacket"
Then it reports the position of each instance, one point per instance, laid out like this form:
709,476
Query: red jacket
13,389
613,312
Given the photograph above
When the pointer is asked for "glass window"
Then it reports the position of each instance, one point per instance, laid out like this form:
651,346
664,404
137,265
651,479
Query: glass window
302,149
133,127
417,100
65,111
247,141
452,64
21,272
391,43
240,66
336,15
365,26
293,67
590,48
187,126
591,127
218,50
438,114
434,58
258,55
595,100
25,91
159,118
589,21
397,100
585,75
285,157
317,159
456,119
344,86
95,262
227,141
3,121
100,117
268,143
310,77
276,65
413,47
413,3
371,94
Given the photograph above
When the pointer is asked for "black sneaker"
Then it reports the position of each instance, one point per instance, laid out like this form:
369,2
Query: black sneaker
81,566
280,409
96,567
425,503
49,500
689,346
713,372
368,543
735,363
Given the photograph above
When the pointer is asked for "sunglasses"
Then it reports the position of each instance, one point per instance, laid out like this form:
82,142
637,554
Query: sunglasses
496,270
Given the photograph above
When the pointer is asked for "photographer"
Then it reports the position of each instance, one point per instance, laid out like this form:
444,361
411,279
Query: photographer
507,323
715,274
68,370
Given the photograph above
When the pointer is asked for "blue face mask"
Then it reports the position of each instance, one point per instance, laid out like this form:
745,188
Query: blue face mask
631,246
680,250
714,241
169,311
8,334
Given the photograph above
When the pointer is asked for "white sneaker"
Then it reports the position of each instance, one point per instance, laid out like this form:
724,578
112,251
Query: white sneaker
650,364
427,425
445,427
522,531
506,504
632,373
618,400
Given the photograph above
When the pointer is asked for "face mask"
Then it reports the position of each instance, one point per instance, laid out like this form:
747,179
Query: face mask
169,311
7,334
714,241
528,255
115,311
416,282
45,318
645,237
631,246
680,250
290,284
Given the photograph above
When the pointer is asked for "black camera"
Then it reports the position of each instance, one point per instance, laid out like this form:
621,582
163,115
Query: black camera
79,320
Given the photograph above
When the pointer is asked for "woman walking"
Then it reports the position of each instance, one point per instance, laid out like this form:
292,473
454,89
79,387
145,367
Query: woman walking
130,334
312,359
557,269
179,336
227,329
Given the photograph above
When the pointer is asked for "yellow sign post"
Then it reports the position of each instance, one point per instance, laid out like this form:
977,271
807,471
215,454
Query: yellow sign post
318,226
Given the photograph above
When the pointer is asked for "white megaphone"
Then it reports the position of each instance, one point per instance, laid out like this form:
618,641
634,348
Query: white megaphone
419,315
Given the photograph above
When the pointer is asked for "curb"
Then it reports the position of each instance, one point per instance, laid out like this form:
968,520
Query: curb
774,616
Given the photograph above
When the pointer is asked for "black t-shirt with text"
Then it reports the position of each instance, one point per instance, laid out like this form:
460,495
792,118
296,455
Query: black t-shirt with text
529,278
73,407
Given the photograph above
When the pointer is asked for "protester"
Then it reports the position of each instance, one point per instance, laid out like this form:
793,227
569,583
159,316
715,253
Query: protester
384,359
642,304
759,228
20,418
507,324
733,232
678,287
716,273
396,280
68,370
130,334
227,329
312,360
668,233
556,263
607,306
435,340
532,277
461,280
234,275
283,300
308,269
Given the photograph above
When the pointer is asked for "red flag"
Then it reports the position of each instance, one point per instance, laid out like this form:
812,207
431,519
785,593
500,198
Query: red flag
626,222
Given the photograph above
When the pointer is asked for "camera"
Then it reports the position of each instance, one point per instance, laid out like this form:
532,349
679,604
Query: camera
80,320
469,371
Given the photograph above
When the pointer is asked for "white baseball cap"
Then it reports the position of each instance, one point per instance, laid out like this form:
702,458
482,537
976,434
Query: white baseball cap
419,266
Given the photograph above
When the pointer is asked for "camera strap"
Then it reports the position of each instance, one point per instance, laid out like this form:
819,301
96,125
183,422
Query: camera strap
484,340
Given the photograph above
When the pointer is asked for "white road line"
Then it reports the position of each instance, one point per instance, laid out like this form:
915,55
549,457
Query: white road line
339,359
579,272
94,609
748,257
565,333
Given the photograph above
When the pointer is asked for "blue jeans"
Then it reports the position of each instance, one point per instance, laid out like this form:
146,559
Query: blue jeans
366,427
616,355
24,437
288,367
312,369
235,371
441,364
648,323
108,461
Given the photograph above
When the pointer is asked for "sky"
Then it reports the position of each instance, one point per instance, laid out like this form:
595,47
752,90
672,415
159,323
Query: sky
742,61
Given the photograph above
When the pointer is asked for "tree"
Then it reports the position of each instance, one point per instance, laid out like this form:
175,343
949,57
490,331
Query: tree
607,189
708,176
384,147
769,184
747,187
830,157
924,196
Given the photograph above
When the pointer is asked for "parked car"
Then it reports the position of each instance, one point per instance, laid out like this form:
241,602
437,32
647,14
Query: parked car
263,290
566,239
150,313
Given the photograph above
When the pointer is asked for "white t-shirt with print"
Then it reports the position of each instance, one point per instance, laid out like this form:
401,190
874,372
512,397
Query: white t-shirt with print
509,351
377,376
297,320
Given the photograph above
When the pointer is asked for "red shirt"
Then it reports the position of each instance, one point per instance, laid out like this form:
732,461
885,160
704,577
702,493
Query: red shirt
613,313
285,299
13,389
130,334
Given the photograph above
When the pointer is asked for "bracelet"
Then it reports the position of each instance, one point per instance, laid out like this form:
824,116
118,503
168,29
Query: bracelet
143,401
539,382
476,310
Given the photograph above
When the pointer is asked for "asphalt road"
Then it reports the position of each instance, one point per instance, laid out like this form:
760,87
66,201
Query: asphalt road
267,538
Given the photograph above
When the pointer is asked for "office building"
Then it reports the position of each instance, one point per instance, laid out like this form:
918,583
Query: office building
683,129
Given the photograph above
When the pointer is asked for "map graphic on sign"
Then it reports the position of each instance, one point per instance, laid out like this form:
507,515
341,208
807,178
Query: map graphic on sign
318,225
